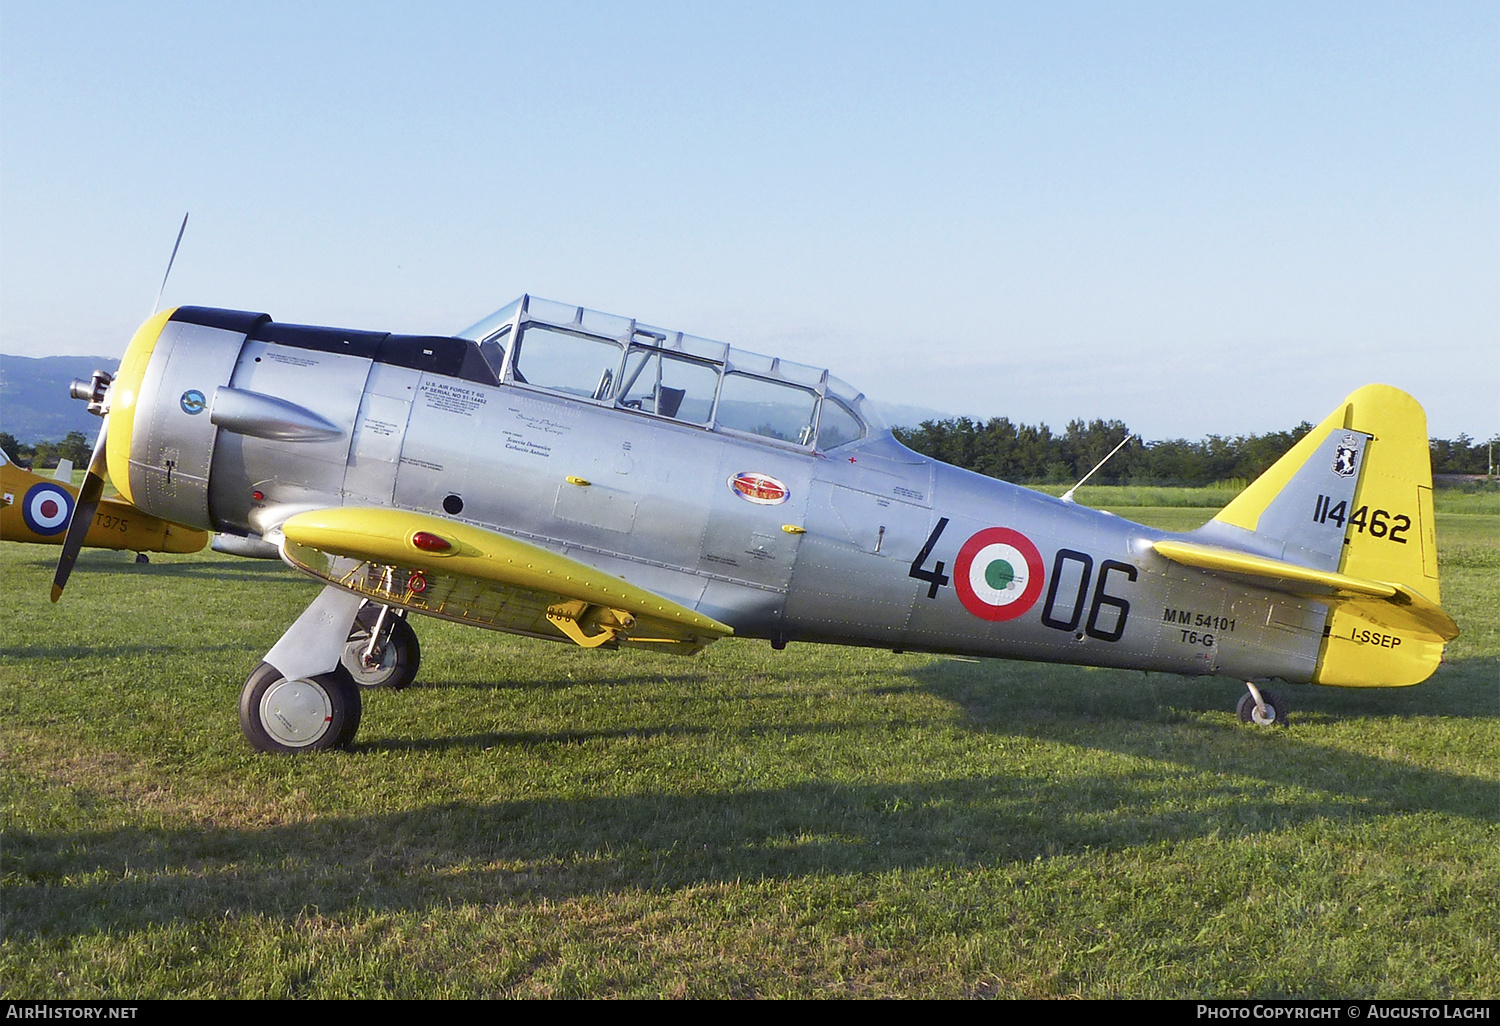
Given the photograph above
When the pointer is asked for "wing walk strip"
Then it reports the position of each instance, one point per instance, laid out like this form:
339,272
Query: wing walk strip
1404,604
487,579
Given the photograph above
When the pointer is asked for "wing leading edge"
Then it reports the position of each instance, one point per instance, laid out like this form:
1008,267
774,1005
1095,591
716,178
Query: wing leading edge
480,577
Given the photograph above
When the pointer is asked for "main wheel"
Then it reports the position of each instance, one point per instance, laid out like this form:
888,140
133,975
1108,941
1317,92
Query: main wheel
1275,707
303,714
396,661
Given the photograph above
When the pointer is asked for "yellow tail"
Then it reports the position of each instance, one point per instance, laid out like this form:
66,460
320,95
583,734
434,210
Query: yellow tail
1355,497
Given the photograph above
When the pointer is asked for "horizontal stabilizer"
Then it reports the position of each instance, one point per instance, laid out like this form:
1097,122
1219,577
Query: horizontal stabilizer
1406,608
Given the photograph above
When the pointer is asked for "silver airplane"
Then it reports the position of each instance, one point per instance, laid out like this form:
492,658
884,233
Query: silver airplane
580,477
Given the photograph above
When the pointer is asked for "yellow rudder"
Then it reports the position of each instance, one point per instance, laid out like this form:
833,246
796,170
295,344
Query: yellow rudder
1389,536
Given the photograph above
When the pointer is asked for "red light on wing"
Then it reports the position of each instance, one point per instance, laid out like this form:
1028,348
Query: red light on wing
429,542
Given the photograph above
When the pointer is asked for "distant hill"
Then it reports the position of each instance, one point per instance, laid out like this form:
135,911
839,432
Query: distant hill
34,401
35,406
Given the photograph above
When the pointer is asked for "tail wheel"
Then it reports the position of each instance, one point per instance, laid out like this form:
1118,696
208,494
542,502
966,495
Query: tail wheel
301,714
1274,714
397,656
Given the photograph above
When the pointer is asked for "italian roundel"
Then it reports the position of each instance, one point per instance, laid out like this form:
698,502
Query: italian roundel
46,508
998,574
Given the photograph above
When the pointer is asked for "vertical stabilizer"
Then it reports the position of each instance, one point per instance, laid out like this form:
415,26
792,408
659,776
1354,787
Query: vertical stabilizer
1355,497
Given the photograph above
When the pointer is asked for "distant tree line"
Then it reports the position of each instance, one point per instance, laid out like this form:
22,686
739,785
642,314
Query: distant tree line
1026,454
1463,455
77,447
1034,455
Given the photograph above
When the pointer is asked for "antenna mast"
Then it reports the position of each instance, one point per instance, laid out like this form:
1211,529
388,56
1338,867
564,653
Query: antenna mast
1068,495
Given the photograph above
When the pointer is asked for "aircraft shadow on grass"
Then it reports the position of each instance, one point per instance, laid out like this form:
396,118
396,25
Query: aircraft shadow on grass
1004,694
1014,696
555,849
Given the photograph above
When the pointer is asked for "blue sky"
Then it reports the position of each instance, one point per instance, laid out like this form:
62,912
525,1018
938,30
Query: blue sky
1194,217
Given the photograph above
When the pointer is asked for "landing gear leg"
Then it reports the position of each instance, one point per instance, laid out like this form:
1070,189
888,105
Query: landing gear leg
1262,707
382,650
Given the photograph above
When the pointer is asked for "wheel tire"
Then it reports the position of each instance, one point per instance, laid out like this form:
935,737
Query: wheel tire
1247,713
307,714
399,660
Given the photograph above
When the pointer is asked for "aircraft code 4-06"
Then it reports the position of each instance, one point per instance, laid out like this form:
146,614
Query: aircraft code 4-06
1380,523
1000,575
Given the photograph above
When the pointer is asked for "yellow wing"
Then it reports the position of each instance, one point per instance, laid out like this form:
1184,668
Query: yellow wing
484,578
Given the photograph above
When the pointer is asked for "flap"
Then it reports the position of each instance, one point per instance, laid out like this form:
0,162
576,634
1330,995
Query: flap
484,578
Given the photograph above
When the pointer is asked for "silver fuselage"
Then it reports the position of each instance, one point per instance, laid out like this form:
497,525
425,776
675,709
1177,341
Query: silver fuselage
866,543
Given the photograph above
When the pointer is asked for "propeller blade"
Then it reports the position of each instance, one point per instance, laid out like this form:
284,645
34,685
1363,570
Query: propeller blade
83,514
170,261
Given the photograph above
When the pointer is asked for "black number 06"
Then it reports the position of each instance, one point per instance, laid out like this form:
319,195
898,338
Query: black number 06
1072,605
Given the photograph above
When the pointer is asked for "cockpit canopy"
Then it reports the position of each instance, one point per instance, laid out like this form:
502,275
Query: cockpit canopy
615,361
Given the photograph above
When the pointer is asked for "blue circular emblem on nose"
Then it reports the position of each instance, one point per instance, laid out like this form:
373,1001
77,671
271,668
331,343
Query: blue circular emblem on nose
192,401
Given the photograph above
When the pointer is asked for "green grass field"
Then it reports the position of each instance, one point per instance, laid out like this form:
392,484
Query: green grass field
537,820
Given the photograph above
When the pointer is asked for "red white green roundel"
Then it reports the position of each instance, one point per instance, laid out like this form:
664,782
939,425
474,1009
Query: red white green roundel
998,574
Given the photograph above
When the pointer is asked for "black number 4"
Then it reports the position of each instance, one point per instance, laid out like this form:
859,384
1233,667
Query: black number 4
934,577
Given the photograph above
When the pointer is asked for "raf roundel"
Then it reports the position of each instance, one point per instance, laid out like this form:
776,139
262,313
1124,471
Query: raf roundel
998,574
46,508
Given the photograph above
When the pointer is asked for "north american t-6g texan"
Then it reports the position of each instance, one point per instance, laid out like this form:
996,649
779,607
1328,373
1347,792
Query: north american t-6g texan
580,477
